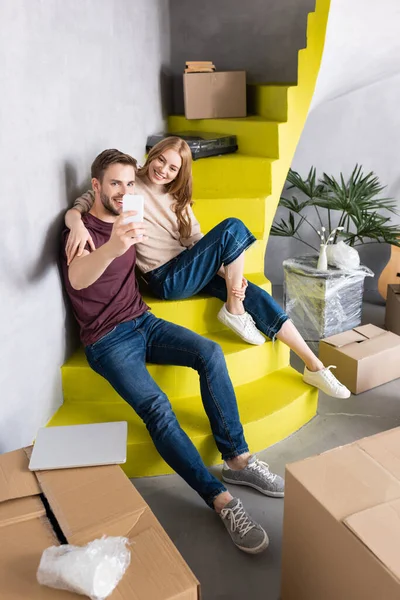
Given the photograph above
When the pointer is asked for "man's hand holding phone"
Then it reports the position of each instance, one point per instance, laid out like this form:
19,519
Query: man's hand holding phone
126,232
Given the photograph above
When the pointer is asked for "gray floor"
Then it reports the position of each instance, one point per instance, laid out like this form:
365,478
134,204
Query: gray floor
224,571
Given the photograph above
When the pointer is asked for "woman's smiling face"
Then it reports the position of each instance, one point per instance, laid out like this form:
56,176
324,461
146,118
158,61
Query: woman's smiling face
165,168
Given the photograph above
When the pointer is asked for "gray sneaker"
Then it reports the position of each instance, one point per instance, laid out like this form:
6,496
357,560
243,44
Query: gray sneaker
246,534
256,475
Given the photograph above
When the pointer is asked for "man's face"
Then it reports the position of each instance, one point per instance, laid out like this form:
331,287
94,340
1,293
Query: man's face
118,180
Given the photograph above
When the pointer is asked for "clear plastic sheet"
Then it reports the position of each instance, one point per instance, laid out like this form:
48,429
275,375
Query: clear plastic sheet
342,256
322,303
93,570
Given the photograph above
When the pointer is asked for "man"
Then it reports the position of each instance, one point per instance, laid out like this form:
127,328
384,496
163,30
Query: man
120,335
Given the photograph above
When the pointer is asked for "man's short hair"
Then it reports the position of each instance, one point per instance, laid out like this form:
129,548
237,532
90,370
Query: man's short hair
110,157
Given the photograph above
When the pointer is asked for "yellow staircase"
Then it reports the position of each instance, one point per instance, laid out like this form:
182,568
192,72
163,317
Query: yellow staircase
273,400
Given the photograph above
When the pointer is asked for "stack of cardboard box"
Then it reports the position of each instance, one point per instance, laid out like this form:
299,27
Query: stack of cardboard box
83,504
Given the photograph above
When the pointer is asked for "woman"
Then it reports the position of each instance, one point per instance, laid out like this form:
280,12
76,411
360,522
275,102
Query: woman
177,261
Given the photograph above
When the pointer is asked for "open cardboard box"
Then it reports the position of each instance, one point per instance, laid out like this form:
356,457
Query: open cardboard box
87,503
392,315
365,357
341,538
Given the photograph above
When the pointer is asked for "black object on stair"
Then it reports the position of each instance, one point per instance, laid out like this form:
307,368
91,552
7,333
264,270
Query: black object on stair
201,144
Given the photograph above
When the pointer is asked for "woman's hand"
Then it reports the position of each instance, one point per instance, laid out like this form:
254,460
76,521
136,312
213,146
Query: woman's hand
76,242
240,293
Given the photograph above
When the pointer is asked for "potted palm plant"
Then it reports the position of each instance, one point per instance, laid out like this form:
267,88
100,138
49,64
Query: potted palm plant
323,301
348,210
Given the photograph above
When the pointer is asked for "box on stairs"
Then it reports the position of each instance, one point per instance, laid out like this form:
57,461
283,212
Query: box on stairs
341,535
365,357
87,503
215,95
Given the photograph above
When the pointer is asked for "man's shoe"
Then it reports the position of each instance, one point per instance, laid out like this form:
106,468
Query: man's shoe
246,534
258,476
242,325
325,381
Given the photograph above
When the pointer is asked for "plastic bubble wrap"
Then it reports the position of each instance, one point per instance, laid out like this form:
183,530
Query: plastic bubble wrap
93,570
322,303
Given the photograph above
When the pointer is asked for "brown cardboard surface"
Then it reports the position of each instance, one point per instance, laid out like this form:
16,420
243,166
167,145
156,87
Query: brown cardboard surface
365,357
343,339
87,503
392,315
322,559
341,480
22,509
16,481
215,95
385,449
92,502
369,331
379,529
21,546
153,554
342,523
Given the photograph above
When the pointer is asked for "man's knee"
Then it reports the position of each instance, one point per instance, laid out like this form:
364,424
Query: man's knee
211,354
158,416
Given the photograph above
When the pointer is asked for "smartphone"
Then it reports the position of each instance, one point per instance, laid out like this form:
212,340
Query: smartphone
133,202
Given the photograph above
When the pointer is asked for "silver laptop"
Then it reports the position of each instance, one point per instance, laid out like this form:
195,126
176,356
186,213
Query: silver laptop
79,446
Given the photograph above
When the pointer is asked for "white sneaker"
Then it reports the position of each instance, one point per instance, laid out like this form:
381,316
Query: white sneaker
325,381
242,325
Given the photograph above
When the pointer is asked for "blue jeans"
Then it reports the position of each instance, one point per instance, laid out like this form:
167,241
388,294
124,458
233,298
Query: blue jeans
120,357
195,270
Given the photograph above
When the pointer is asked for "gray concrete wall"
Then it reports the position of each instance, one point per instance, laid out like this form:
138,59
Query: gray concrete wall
259,36
354,116
76,77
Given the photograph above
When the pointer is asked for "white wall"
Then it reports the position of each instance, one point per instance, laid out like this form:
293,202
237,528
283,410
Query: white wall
76,76
355,115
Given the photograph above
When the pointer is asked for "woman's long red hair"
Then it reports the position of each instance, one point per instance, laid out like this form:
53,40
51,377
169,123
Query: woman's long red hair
181,187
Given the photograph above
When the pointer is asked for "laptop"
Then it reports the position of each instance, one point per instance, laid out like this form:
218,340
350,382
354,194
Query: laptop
79,446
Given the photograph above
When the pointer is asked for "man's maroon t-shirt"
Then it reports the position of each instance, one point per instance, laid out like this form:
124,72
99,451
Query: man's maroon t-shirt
114,298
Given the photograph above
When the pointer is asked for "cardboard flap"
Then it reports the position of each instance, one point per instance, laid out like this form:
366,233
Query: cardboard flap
379,529
157,570
343,339
372,346
73,494
369,331
346,480
385,449
23,509
16,481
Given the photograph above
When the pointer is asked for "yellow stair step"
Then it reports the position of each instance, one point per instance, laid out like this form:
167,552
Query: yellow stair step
198,313
270,100
271,408
256,135
232,176
252,211
246,363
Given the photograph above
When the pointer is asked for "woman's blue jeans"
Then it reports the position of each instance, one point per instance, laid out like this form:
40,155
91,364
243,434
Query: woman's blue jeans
195,270
120,357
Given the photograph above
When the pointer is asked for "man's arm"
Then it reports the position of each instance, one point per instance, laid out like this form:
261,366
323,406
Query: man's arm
84,270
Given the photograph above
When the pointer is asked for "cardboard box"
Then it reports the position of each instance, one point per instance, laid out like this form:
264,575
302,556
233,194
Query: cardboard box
365,357
215,95
341,535
86,503
392,317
